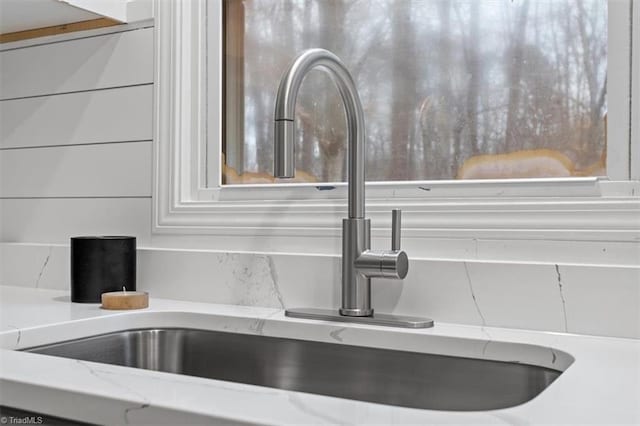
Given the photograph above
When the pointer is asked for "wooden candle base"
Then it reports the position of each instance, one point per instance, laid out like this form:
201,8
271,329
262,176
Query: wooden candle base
123,300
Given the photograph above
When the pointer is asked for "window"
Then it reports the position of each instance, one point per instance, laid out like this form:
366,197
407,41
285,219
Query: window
444,216
452,89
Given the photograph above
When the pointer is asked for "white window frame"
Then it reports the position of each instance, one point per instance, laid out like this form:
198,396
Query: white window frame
188,107
635,86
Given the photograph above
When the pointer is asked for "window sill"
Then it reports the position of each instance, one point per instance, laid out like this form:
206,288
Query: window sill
595,210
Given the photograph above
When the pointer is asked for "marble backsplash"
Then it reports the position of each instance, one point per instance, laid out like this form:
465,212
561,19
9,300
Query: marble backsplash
585,299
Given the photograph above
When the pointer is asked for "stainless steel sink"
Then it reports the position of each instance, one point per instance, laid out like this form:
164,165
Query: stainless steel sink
406,379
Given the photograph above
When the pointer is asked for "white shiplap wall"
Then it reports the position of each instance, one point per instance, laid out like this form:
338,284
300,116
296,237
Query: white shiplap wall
76,137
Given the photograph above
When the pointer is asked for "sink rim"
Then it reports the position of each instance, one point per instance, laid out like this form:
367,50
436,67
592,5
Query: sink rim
456,342
31,349
347,371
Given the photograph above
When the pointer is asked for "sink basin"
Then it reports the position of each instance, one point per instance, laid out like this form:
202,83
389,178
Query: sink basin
406,379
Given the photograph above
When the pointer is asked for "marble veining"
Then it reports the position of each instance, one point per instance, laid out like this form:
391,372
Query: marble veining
103,376
253,281
44,266
274,280
335,334
485,347
18,334
258,326
538,296
473,294
564,302
128,411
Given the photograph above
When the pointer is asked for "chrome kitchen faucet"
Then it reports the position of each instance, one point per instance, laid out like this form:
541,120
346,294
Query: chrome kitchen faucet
359,262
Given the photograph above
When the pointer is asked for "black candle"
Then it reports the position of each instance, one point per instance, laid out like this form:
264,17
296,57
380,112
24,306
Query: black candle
101,264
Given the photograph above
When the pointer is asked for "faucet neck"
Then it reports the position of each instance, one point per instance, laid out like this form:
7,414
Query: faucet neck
285,113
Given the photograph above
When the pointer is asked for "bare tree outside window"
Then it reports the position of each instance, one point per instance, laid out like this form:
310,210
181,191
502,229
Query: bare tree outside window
452,89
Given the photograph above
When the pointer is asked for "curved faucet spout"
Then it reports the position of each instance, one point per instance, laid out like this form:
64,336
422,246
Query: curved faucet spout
284,156
359,262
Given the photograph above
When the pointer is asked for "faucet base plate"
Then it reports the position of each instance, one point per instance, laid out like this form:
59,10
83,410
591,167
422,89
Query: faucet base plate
375,319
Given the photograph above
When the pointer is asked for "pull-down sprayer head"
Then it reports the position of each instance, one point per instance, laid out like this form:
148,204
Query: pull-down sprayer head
284,143
284,165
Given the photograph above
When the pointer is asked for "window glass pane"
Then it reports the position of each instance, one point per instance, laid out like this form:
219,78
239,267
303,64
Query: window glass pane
452,89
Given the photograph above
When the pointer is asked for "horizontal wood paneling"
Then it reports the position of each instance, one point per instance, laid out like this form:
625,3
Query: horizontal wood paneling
111,60
53,191
121,169
121,114
56,220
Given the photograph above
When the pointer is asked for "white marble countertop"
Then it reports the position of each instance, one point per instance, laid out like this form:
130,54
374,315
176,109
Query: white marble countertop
601,384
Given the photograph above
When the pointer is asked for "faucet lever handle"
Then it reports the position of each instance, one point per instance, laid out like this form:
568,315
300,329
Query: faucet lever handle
396,228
